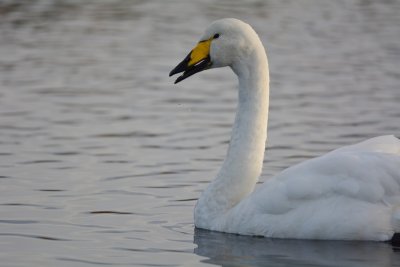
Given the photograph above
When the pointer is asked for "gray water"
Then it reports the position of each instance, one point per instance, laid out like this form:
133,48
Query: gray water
102,158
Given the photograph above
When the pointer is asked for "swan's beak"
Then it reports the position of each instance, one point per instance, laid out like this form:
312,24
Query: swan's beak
197,60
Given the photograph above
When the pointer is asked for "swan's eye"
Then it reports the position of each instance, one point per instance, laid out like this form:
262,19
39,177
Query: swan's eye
216,36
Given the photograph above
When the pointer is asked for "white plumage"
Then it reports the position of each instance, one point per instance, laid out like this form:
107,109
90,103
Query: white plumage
352,193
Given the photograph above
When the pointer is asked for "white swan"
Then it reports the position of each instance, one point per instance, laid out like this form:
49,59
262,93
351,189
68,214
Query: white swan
352,193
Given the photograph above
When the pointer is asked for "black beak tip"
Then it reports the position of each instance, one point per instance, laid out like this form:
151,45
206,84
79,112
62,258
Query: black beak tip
181,66
189,70
180,78
176,70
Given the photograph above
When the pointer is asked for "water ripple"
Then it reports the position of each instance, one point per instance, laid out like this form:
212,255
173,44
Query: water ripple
18,221
35,237
110,212
86,261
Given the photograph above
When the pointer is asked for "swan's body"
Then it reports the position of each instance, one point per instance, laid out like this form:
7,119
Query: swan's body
352,193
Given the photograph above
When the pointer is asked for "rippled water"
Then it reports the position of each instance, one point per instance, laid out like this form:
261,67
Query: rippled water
102,157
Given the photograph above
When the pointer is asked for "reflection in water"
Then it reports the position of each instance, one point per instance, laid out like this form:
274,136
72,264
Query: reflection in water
236,250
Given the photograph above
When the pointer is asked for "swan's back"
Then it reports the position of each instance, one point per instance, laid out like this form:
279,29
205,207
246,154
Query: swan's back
383,144
350,193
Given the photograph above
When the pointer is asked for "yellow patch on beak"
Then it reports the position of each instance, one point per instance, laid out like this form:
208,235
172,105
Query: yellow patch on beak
200,52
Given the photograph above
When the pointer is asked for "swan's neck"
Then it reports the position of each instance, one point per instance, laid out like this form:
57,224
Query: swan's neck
243,163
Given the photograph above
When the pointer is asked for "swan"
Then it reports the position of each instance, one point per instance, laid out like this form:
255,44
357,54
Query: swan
351,193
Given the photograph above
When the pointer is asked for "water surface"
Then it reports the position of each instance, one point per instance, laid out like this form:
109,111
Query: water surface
102,158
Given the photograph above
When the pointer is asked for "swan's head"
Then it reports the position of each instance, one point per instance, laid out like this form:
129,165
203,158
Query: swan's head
225,42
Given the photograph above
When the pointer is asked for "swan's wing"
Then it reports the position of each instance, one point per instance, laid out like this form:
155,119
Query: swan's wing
366,172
